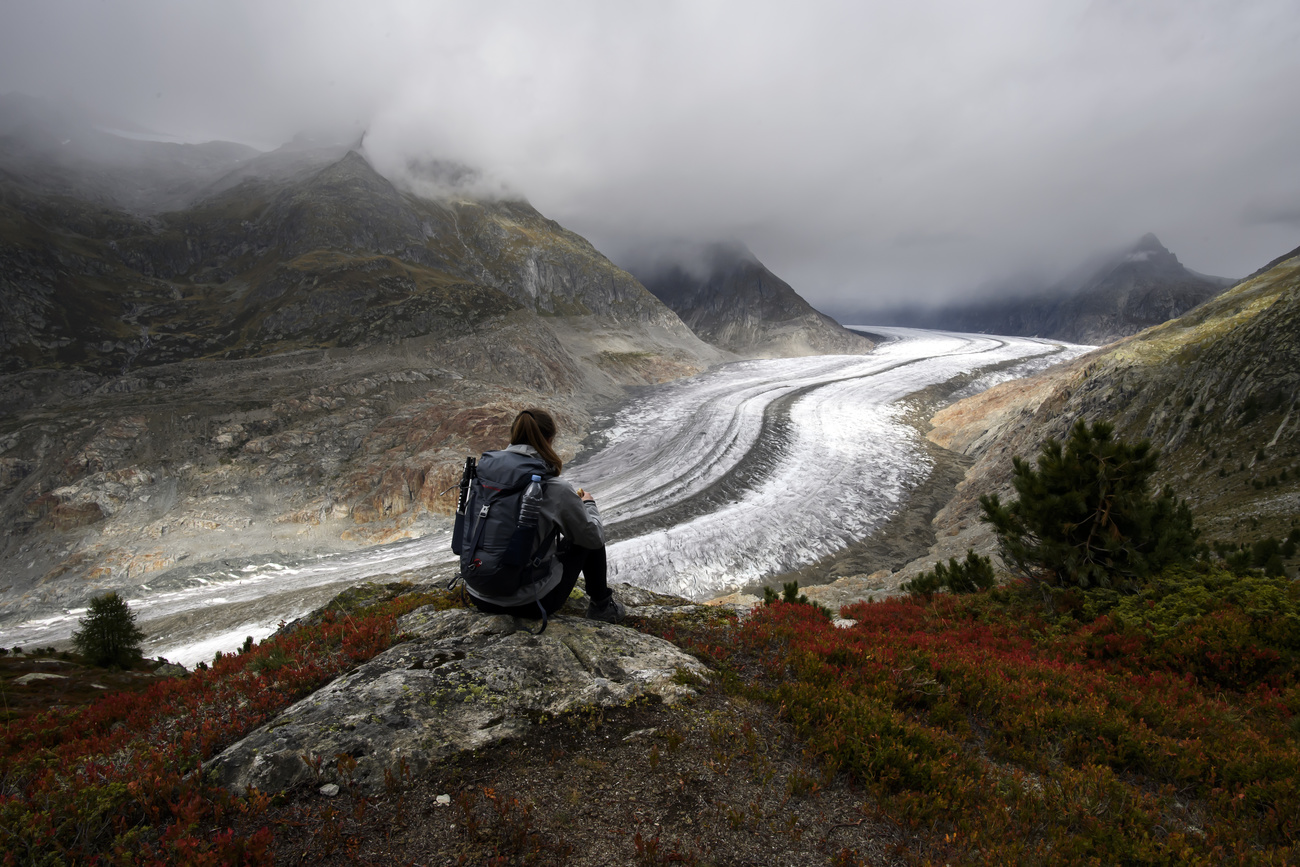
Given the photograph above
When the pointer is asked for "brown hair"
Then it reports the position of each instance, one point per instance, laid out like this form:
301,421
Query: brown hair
536,428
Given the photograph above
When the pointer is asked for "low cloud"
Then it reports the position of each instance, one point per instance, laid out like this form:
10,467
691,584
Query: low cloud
864,151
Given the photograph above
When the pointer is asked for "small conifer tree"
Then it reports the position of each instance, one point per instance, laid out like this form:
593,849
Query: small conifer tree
108,634
1086,517
972,575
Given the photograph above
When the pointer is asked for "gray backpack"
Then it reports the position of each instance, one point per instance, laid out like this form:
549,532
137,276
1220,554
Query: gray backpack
498,556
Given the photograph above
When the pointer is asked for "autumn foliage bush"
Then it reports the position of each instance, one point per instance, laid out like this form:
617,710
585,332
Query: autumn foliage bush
121,782
1164,732
1159,727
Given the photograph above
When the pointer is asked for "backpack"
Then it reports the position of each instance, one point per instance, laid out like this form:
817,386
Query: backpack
498,557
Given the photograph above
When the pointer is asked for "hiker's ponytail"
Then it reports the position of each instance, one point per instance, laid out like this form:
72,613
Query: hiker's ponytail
536,428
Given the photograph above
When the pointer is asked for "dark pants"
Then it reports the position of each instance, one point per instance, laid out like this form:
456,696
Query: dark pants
589,561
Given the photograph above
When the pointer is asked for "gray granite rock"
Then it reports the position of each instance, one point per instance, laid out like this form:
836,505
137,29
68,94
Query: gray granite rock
463,681
38,675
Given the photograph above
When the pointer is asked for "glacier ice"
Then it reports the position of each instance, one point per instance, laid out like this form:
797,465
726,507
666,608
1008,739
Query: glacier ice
745,471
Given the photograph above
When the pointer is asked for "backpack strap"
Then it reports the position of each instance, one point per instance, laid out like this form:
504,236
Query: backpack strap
545,620
479,524
544,547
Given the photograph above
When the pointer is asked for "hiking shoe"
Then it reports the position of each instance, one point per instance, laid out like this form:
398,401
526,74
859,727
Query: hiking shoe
608,609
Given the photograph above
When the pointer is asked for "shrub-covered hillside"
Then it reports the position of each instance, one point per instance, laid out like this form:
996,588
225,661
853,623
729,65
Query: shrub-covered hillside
1158,727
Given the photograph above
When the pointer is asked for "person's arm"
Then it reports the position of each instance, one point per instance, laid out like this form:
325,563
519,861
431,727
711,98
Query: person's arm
578,518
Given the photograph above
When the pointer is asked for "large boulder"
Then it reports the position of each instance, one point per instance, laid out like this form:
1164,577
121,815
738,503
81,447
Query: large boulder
463,681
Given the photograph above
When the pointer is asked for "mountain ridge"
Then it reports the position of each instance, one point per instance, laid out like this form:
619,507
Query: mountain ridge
732,300
1114,296
1213,390
302,356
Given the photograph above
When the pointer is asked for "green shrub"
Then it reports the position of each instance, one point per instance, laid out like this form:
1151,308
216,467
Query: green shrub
1085,517
1263,551
973,574
1235,631
1268,554
790,594
108,634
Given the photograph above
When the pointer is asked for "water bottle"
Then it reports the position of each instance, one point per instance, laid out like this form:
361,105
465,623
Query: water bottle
531,505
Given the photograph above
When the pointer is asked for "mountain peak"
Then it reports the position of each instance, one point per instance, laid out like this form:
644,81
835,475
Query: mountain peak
1149,243
1149,249
728,297
725,255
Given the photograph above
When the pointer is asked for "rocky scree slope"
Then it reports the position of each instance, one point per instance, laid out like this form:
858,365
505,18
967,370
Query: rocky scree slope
1134,289
737,304
1215,391
296,361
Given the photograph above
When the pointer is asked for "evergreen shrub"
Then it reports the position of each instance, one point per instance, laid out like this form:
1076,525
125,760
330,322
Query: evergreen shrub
108,634
791,596
1085,516
973,574
1229,630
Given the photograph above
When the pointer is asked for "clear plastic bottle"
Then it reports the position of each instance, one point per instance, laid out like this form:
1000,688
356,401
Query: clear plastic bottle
531,505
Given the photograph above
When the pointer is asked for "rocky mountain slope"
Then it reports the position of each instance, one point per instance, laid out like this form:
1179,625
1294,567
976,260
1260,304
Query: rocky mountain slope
731,300
297,358
1215,390
1134,289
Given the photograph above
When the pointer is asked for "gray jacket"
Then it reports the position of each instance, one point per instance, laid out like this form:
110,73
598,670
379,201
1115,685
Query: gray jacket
579,522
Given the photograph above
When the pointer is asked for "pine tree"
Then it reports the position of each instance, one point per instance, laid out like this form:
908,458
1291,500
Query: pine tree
969,576
108,634
1086,517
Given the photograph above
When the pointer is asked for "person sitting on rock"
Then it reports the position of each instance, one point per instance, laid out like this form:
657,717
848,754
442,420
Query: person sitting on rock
570,515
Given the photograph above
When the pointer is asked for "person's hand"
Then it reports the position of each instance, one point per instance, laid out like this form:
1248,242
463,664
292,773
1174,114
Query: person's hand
586,497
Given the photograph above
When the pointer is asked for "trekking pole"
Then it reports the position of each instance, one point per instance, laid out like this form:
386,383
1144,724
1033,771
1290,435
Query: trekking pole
467,476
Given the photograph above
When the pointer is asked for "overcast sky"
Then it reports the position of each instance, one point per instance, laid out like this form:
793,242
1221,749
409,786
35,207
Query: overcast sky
873,150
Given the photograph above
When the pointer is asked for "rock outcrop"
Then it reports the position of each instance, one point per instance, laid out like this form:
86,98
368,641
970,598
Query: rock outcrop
1134,289
731,300
462,681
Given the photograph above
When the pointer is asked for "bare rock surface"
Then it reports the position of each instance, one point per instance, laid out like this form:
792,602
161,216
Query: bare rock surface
463,681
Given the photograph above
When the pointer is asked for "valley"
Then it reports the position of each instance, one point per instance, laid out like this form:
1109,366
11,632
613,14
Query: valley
745,471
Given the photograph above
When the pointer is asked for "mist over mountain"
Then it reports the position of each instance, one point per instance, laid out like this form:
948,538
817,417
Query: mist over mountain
55,149
730,299
1102,300
289,263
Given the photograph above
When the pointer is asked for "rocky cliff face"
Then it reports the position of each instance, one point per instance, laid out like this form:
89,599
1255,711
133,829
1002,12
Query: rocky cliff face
1137,288
1215,390
731,300
296,359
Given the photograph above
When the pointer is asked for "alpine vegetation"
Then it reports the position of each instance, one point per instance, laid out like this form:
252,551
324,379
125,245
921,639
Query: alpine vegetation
108,634
1086,517
971,575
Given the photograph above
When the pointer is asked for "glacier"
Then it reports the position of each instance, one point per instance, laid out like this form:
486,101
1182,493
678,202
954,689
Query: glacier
748,470
761,467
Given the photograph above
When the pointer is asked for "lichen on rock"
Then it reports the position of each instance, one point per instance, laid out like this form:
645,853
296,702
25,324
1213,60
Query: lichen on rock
462,681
